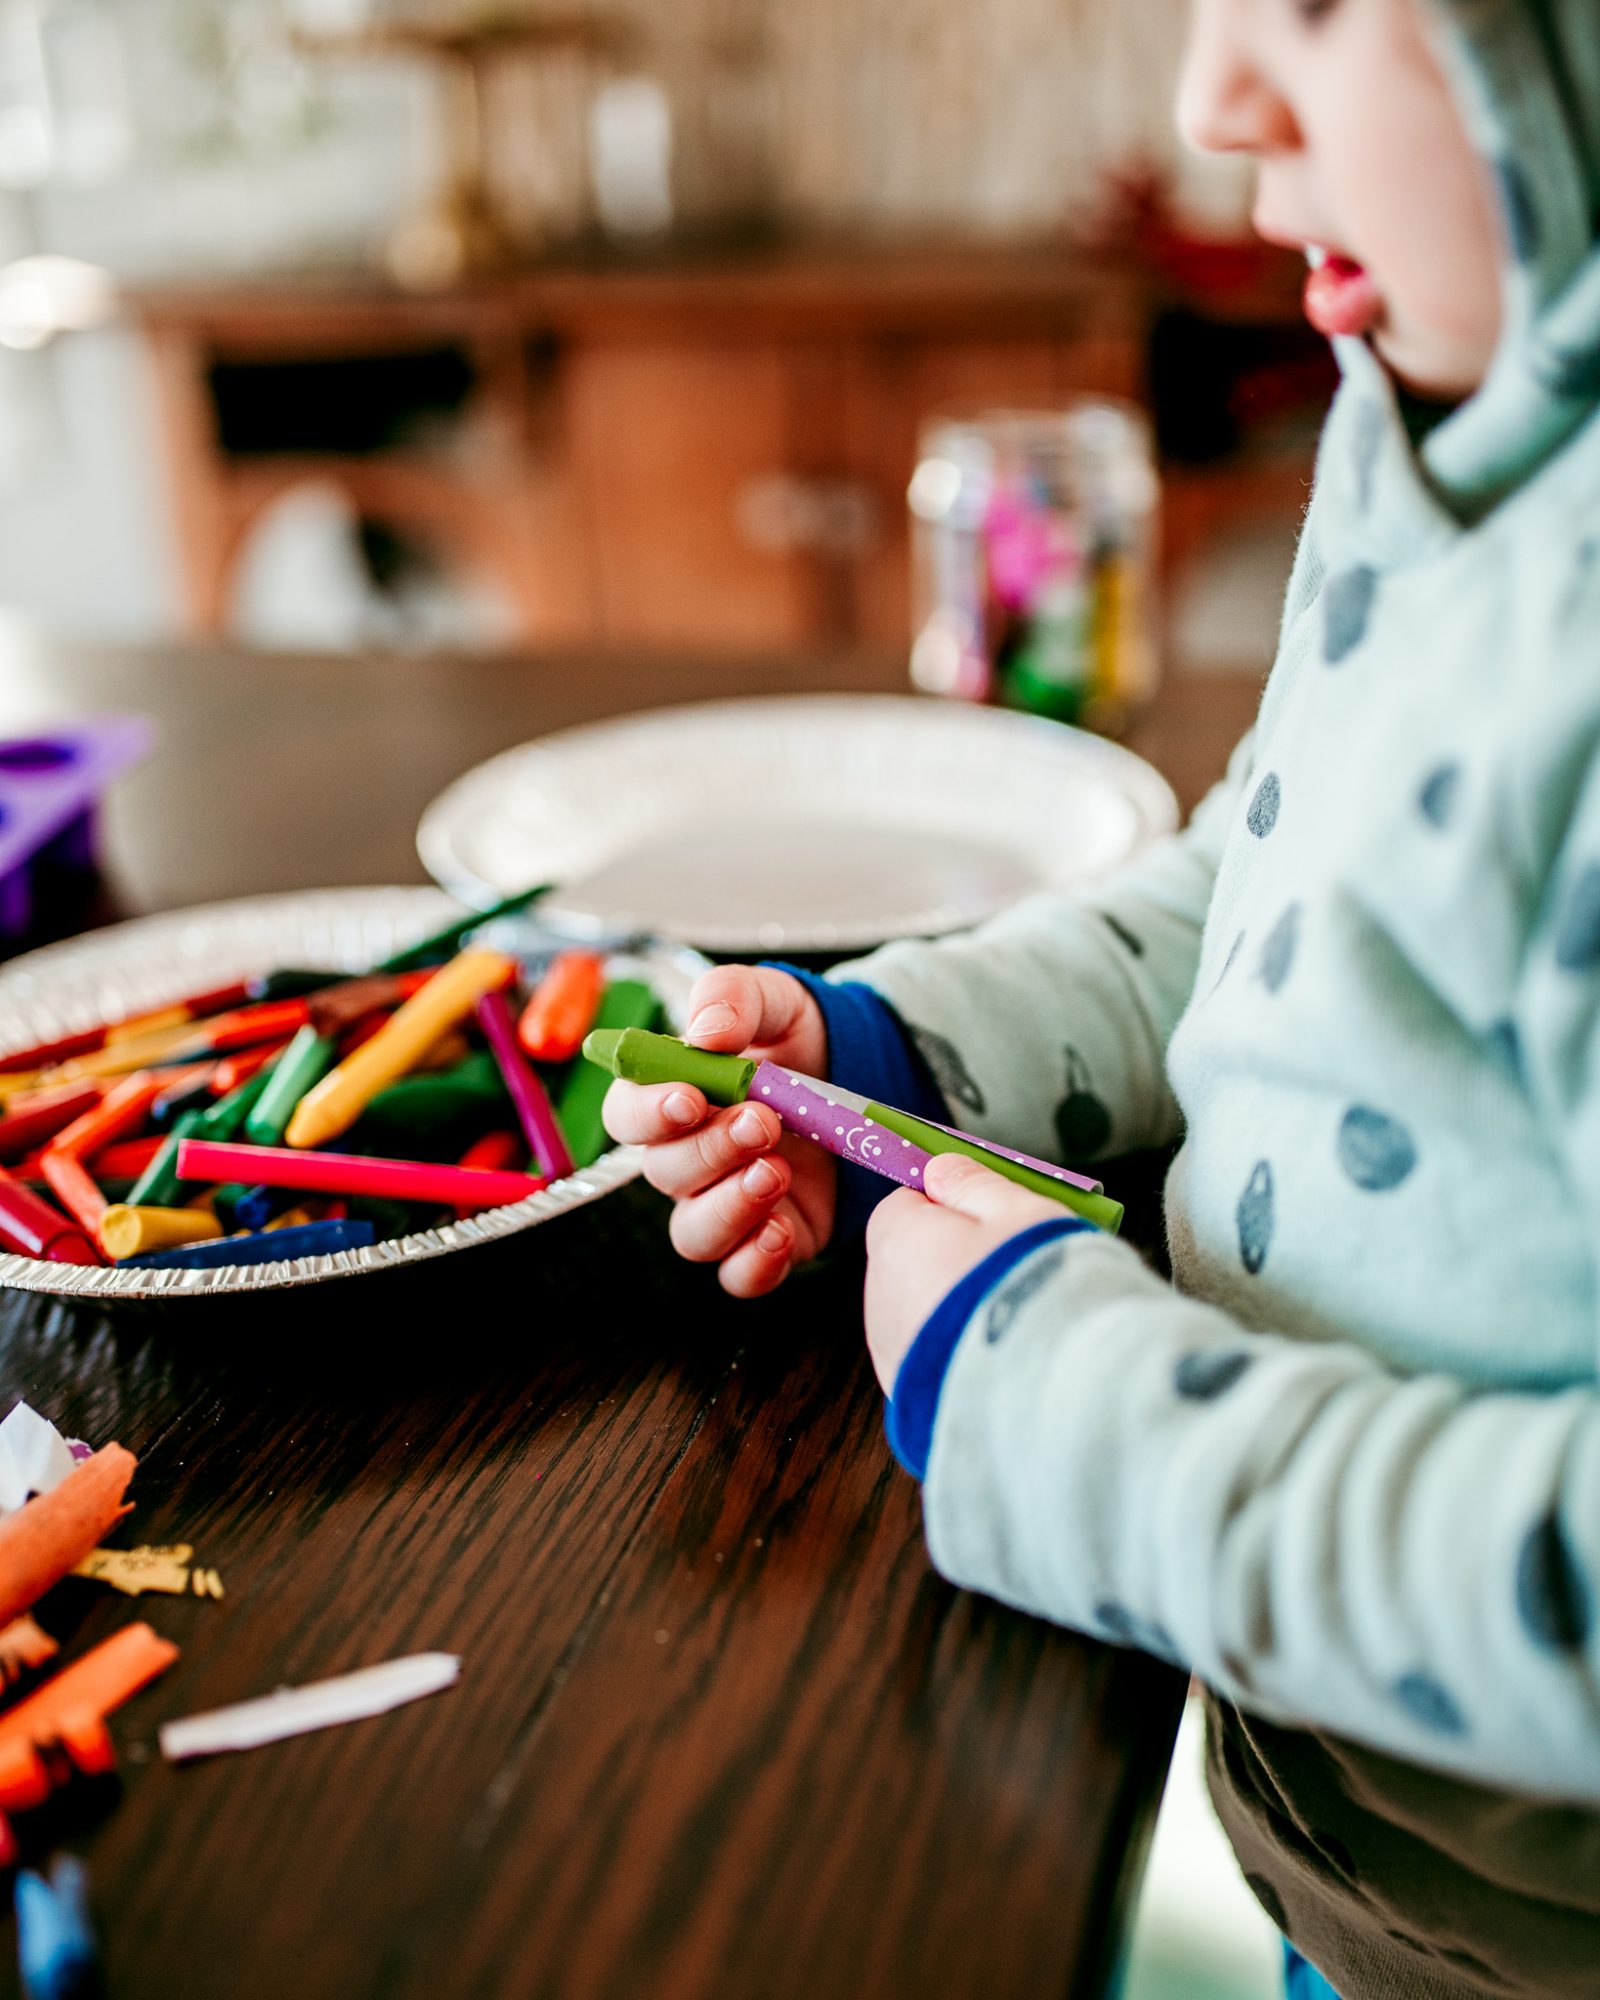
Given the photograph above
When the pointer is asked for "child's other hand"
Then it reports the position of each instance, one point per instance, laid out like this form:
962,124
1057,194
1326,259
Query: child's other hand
748,1195
920,1246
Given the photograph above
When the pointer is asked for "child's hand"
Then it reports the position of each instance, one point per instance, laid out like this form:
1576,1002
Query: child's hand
748,1195
920,1246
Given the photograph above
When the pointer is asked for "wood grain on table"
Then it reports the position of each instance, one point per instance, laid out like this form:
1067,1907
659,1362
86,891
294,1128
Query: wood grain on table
720,1731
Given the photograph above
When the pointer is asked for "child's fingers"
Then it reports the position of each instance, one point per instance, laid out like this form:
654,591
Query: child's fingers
709,1226
737,1007
640,1114
726,1144
764,1260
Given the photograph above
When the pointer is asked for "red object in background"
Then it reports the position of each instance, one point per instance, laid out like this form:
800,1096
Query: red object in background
1138,217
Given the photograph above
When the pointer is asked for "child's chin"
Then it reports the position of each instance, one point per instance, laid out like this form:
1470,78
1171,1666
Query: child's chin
1425,368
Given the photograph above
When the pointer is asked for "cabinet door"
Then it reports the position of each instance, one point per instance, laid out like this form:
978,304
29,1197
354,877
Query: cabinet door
673,447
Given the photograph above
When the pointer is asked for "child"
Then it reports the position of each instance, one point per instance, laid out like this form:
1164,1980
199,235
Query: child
1348,1468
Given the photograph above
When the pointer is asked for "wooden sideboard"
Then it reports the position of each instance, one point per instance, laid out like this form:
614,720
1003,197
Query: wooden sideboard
711,452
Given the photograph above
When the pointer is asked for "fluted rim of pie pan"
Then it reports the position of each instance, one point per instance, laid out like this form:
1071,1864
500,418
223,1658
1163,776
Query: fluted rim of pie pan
131,967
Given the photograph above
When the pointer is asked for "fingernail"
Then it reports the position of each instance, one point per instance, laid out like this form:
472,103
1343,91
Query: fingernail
712,1020
749,1128
761,1181
773,1239
682,1109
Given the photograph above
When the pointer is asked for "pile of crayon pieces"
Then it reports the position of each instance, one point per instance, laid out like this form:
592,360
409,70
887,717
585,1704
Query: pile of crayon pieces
308,1112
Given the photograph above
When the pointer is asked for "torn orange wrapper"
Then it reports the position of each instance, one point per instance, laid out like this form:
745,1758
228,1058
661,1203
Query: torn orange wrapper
68,1713
54,1531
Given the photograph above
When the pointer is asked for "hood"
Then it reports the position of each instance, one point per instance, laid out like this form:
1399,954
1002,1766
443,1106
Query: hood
1527,75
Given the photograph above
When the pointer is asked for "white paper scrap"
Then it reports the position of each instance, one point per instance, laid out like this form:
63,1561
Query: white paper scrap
34,1457
297,1711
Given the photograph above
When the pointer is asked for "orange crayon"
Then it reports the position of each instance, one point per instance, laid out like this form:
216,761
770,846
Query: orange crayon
563,1007
68,1713
53,1532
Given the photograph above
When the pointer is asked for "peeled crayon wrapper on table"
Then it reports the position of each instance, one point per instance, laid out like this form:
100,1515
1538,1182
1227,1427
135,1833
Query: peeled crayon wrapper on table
853,1128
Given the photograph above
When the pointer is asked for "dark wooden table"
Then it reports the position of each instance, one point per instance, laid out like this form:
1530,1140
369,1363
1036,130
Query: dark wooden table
720,1730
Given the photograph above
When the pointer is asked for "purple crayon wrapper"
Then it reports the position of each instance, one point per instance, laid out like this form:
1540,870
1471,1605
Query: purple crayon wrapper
1024,1159
839,1126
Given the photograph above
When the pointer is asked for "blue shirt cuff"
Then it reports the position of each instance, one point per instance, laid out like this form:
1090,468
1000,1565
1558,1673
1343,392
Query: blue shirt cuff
870,1053
914,1405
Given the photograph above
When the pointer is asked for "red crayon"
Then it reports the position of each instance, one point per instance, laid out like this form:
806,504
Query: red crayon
349,1173
495,1152
126,1159
43,1054
117,1114
269,1021
234,1070
72,1184
39,1115
29,1224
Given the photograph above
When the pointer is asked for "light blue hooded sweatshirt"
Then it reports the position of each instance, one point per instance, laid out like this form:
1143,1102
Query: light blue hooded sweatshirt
1347,1466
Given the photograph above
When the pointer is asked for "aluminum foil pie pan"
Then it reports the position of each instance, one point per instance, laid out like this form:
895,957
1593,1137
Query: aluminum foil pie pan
134,967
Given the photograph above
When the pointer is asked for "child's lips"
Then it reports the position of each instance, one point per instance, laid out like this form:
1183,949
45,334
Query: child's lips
1341,297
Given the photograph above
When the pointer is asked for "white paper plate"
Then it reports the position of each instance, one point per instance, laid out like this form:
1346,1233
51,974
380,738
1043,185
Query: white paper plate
811,823
133,967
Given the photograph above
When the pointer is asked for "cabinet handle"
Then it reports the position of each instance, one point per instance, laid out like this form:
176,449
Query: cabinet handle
781,514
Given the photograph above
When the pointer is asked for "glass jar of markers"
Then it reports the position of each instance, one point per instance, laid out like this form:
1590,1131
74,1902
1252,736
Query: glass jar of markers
1033,538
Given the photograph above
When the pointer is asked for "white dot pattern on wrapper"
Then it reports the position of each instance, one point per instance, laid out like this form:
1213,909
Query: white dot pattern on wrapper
766,1090
838,1131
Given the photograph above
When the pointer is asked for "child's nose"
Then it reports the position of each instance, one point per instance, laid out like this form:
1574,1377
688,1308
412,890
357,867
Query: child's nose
1226,103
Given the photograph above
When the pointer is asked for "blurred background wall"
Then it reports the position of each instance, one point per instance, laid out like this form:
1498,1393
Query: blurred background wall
205,143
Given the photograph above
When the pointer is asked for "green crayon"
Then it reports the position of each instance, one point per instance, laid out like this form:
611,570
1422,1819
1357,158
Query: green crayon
225,1119
446,942
306,1060
627,1003
646,1058
432,1117
1096,1208
158,1186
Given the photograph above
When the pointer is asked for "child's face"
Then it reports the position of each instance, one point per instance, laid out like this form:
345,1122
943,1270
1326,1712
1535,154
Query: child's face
1362,152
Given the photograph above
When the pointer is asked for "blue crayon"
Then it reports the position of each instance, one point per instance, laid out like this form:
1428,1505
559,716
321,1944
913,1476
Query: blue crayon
256,1207
55,1942
310,1239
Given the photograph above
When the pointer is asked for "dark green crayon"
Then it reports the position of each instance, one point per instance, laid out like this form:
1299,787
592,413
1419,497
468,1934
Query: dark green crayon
628,1003
446,943
306,1060
167,1109
158,1186
225,1119
394,1218
293,982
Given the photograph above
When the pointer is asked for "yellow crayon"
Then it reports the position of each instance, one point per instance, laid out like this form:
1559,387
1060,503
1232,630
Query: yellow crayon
148,1024
334,1105
130,1232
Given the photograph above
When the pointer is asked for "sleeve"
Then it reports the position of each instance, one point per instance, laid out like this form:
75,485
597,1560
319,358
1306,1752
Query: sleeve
1089,988
1404,1562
